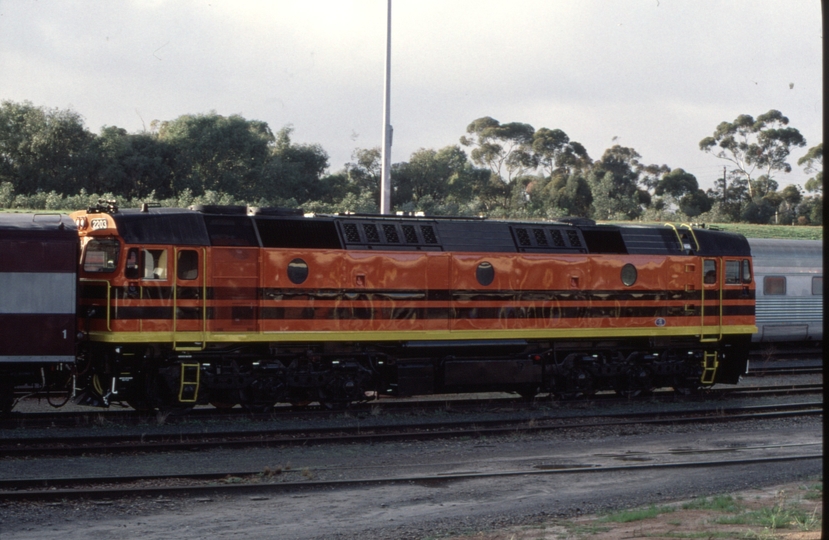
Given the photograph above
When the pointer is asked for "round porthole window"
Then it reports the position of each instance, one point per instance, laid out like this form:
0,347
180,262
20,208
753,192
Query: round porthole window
629,274
297,271
485,273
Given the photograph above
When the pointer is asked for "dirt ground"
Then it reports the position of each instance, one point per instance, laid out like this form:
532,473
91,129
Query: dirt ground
789,512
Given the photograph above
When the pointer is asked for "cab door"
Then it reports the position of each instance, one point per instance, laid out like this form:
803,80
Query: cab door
711,304
189,292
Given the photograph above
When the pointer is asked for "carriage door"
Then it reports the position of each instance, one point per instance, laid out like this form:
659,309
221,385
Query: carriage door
189,311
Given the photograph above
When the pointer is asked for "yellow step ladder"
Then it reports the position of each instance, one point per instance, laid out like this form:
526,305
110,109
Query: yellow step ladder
710,363
190,378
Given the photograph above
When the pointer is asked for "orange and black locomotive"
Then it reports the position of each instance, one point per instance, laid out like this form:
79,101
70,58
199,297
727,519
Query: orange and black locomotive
257,306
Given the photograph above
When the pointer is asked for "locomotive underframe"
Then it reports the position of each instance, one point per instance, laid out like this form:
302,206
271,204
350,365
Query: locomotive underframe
257,376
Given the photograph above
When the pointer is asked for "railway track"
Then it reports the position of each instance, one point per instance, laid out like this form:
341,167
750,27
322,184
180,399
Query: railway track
263,483
92,444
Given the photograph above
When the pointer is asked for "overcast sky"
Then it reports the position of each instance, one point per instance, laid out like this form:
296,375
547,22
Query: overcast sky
654,75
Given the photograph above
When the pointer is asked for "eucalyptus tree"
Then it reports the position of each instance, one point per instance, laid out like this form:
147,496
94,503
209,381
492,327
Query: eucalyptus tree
296,171
755,146
555,153
614,181
810,209
683,187
137,165
218,153
813,163
429,173
506,149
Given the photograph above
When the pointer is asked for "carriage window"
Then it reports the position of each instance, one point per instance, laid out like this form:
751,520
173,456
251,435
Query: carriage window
817,285
101,256
709,271
732,273
774,285
154,263
187,265
746,271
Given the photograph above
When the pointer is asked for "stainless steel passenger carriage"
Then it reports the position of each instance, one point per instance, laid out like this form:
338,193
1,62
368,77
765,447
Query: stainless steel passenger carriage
789,277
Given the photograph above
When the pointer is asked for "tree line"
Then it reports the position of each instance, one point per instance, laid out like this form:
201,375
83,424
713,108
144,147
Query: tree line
50,160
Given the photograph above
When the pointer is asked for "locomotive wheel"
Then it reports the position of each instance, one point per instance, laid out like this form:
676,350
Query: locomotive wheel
528,394
259,408
334,405
300,404
139,405
6,398
222,405
637,381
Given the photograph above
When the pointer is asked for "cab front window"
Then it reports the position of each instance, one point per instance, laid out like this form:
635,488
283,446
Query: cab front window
101,256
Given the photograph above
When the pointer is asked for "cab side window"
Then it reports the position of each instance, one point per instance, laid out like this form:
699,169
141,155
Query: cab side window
154,264
746,271
709,272
131,268
188,264
732,273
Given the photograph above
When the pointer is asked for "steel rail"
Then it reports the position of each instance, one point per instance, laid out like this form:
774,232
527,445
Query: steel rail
75,445
99,493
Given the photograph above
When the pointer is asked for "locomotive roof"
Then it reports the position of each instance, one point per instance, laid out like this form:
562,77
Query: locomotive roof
57,224
286,228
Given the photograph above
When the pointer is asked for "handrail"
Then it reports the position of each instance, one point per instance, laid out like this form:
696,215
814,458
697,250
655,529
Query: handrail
678,236
693,235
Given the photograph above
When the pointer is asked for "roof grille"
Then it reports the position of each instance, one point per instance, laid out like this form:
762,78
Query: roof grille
372,235
558,239
352,234
523,237
540,237
391,234
410,234
428,234
573,236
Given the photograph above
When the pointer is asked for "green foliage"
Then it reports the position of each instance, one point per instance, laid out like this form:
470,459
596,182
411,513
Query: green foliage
214,152
614,181
627,516
296,171
133,165
43,149
762,144
557,154
574,198
506,149
719,503
48,160
772,231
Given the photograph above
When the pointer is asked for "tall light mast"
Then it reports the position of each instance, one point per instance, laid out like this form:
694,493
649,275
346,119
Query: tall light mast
385,181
